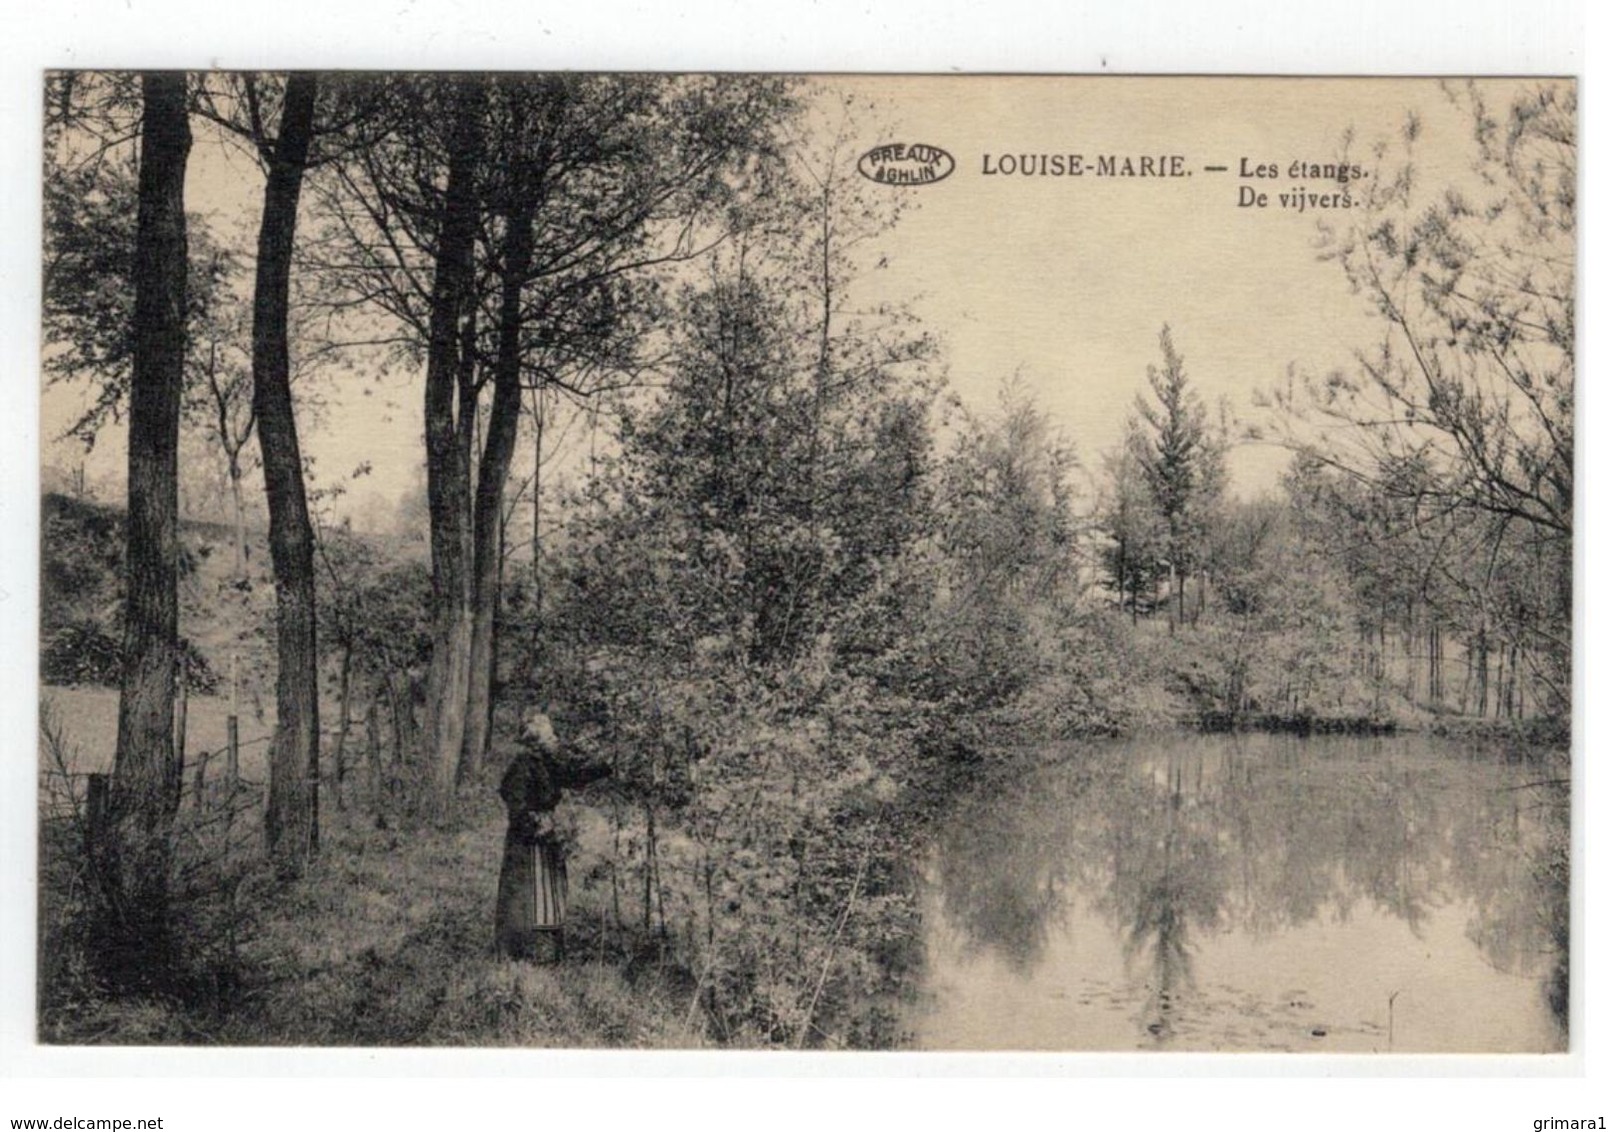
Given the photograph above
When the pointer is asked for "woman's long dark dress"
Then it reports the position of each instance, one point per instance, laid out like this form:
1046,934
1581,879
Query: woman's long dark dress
532,900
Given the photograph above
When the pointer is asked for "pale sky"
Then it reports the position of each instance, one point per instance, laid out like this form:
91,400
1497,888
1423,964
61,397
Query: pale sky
1072,278
1066,279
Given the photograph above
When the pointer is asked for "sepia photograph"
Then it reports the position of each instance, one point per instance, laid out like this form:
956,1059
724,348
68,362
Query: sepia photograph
845,562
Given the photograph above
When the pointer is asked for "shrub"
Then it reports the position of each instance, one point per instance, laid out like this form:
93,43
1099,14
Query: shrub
215,866
83,652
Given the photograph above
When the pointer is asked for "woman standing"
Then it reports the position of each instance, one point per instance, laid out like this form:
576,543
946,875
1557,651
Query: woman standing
532,903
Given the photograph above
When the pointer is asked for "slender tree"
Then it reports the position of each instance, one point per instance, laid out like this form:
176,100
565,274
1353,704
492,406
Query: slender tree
283,121
221,399
1182,460
292,821
515,206
450,359
146,772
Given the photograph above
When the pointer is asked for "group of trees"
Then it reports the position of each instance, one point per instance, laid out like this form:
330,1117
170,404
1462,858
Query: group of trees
727,581
508,231
93,120
1430,500
1445,467
514,233
774,510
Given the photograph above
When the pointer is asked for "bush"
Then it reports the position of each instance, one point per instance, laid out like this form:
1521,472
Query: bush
83,652
215,865
757,837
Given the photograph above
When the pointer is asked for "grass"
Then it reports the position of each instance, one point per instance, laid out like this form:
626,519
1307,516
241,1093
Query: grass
387,941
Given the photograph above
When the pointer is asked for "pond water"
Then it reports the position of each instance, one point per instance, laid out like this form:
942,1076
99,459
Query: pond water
1251,892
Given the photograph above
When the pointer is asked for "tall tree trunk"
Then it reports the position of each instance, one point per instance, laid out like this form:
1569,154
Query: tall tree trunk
1500,689
448,469
1469,677
480,678
145,789
291,824
1442,663
498,451
1410,672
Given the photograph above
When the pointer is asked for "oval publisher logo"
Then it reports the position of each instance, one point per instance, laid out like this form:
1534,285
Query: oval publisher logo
903,163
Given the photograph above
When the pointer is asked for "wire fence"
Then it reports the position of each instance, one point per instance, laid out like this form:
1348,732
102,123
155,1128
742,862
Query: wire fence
211,786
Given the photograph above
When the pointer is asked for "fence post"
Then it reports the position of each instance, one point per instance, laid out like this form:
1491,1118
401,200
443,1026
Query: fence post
96,814
181,710
373,749
232,764
201,778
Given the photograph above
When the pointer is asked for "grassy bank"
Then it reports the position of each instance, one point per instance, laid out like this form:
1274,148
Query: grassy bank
388,941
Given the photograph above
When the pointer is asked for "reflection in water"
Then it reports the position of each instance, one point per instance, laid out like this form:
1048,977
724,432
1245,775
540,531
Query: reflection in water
1155,893
1161,888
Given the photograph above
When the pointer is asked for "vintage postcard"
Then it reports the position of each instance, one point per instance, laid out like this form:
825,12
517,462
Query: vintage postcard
748,561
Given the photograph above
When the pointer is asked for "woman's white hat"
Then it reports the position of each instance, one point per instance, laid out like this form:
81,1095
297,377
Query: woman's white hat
537,728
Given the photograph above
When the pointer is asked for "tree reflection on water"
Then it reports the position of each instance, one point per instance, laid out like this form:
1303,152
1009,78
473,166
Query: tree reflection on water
1172,840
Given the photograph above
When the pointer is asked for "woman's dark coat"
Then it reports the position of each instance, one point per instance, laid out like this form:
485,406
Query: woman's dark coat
533,874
